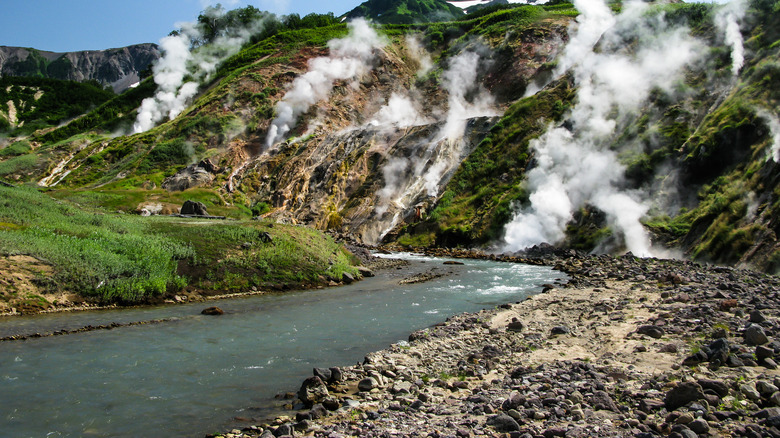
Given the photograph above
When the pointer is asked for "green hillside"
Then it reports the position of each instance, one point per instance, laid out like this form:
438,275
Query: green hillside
406,11
28,104
697,150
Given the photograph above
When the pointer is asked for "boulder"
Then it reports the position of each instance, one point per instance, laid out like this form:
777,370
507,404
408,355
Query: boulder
653,331
194,208
367,384
754,335
504,423
313,391
212,311
683,394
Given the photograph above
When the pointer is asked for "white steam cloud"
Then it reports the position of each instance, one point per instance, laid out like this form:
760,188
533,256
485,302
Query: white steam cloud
774,128
576,167
400,112
179,62
407,180
420,55
350,58
460,80
727,20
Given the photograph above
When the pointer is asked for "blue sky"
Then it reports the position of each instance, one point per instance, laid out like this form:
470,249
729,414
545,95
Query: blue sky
72,25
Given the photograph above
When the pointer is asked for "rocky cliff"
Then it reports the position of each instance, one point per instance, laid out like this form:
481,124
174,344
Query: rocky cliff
118,68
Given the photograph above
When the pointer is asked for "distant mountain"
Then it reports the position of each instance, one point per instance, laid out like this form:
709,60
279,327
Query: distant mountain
406,11
118,68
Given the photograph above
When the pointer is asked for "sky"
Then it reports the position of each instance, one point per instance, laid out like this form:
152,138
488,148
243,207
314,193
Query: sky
74,25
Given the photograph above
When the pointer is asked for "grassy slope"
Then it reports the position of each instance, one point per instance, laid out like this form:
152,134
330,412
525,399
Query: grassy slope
129,259
43,103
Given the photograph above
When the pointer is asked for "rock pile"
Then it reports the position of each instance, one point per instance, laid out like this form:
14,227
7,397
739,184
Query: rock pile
629,347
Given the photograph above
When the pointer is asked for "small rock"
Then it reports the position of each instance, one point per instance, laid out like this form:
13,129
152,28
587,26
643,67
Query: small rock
765,388
312,391
715,386
699,426
757,317
683,394
653,331
212,311
560,330
503,423
775,399
764,352
347,278
684,418
754,335
602,401
194,208
750,392
367,384
515,326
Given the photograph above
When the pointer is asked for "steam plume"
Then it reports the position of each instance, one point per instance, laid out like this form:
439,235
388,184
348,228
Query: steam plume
774,128
727,20
179,61
400,112
576,166
349,59
436,157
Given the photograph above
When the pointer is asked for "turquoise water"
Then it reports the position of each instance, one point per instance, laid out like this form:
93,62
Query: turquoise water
193,375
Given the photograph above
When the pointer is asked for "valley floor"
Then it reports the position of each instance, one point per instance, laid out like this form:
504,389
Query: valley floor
628,347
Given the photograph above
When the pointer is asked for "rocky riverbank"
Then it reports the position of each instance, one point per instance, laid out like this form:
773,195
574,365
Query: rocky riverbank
628,347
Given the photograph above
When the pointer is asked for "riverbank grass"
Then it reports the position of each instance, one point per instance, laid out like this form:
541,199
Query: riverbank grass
121,258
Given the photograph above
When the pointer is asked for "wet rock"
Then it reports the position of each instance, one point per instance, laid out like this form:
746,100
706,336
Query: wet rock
683,394
347,278
212,311
652,331
312,391
283,430
503,423
323,373
754,335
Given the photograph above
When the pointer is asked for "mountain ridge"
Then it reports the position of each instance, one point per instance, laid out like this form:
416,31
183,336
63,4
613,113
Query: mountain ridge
116,67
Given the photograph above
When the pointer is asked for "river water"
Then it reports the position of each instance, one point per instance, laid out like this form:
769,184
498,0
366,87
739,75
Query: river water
193,375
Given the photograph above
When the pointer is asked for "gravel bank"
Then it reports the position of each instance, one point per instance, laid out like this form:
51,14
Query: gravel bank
629,347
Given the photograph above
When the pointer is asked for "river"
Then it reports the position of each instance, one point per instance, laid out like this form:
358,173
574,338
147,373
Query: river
194,374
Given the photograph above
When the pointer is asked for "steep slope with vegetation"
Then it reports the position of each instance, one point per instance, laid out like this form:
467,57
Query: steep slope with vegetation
703,154
405,11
